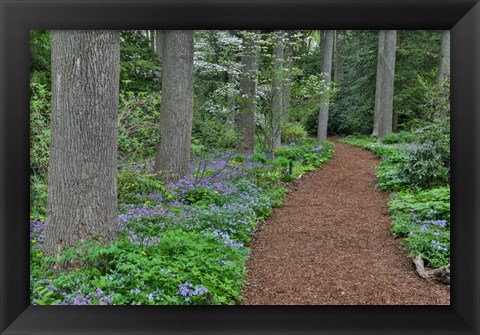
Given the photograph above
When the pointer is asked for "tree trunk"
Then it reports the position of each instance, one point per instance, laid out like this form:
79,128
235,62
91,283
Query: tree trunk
326,69
287,78
444,66
277,89
339,56
82,174
231,103
152,39
246,105
382,125
159,48
176,114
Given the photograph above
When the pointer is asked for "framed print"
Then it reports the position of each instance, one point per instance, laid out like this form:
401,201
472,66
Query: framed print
186,176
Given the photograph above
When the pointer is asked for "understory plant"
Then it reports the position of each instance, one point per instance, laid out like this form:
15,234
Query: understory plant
180,243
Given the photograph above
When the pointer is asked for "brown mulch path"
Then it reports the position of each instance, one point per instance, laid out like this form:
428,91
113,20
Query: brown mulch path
331,244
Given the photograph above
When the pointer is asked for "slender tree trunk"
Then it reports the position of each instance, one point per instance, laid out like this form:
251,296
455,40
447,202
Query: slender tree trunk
287,78
82,174
444,66
152,39
382,125
231,103
277,89
159,48
159,43
176,114
246,105
326,69
339,56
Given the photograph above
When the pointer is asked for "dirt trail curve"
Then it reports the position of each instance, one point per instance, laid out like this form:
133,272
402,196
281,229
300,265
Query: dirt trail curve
331,244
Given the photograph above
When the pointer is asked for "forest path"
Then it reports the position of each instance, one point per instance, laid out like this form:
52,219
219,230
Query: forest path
331,244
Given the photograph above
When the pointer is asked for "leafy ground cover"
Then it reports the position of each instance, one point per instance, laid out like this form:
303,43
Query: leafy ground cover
416,171
181,243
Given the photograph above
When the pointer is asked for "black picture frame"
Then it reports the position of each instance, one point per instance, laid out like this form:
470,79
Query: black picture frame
17,17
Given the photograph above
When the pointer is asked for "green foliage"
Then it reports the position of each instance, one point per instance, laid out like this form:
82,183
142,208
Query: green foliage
139,64
351,109
214,133
417,59
292,132
40,110
132,274
428,162
131,185
38,195
429,204
401,137
423,219
187,244
138,125
203,196
40,55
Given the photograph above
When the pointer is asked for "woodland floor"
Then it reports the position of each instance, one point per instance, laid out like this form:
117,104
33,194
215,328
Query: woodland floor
331,244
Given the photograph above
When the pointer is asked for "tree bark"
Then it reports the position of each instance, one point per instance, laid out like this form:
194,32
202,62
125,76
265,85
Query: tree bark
287,78
82,176
176,114
382,125
231,103
246,105
326,68
444,66
277,89
339,56
159,48
158,43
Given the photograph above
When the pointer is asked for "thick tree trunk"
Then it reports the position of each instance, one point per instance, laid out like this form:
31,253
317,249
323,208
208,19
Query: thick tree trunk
246,105
444,66
339,56
277,89
326,68
176,114
382,124
82,174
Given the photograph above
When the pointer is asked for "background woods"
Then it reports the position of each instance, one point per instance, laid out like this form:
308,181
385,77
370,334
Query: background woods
156,153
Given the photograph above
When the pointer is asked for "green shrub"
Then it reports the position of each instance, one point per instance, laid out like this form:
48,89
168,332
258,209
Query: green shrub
428,162
292,132
213,133
401,137
130,185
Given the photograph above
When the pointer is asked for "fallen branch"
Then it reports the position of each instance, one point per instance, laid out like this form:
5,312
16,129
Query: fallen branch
441,274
